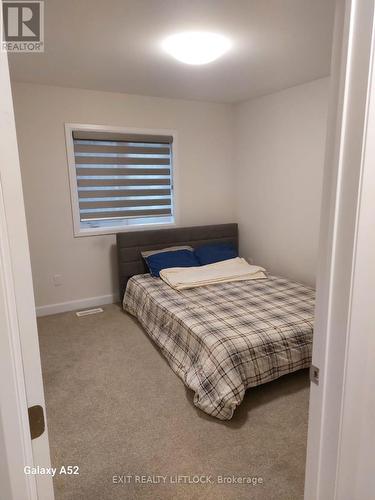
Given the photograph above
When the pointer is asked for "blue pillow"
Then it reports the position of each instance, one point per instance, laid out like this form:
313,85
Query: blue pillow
208,254
178,258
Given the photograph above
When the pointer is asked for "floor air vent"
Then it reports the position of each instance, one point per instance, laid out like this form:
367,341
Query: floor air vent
87,312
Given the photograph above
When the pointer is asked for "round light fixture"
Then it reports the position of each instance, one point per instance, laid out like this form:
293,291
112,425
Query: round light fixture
196,47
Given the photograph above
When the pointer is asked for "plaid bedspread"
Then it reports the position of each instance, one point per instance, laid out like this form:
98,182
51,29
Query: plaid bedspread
222,339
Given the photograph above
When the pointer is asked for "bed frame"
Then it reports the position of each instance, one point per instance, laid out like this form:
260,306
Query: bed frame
131,244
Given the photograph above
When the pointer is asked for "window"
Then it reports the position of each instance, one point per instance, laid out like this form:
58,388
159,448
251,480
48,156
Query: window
119,179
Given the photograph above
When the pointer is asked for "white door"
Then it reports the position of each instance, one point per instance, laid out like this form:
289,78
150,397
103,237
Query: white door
20,371
342,405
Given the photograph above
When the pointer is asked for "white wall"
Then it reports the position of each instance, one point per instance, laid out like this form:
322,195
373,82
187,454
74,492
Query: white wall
279,154
88,264
258,162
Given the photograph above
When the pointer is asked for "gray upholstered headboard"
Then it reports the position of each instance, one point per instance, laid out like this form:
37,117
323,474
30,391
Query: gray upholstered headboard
131,244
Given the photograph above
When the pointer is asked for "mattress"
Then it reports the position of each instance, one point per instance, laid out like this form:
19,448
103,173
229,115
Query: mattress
225,338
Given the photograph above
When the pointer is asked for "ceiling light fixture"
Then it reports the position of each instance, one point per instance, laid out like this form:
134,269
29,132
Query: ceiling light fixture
196,47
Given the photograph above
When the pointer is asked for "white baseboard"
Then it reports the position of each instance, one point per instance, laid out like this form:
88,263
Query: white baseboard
73,305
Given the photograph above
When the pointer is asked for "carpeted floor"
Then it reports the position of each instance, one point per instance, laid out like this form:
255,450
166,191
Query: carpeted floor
114,407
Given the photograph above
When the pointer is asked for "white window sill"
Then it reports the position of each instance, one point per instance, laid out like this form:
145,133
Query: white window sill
97,231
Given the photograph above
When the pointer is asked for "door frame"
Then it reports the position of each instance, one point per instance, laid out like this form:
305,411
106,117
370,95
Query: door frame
14,428
20,371
343,211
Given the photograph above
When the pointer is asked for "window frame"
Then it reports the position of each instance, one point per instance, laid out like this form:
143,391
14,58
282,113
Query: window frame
95,231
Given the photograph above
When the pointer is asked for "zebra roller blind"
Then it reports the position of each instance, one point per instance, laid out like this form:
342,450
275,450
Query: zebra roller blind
122,177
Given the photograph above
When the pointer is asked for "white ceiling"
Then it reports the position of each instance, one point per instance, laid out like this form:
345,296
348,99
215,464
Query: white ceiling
114,45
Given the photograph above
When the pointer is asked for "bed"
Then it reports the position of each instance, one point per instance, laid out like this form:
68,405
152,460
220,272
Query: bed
219,339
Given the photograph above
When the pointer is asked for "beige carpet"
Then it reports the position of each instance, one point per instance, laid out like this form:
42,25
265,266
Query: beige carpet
114,407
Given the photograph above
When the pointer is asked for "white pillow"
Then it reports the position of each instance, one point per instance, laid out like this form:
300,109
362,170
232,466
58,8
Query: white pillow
168,249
